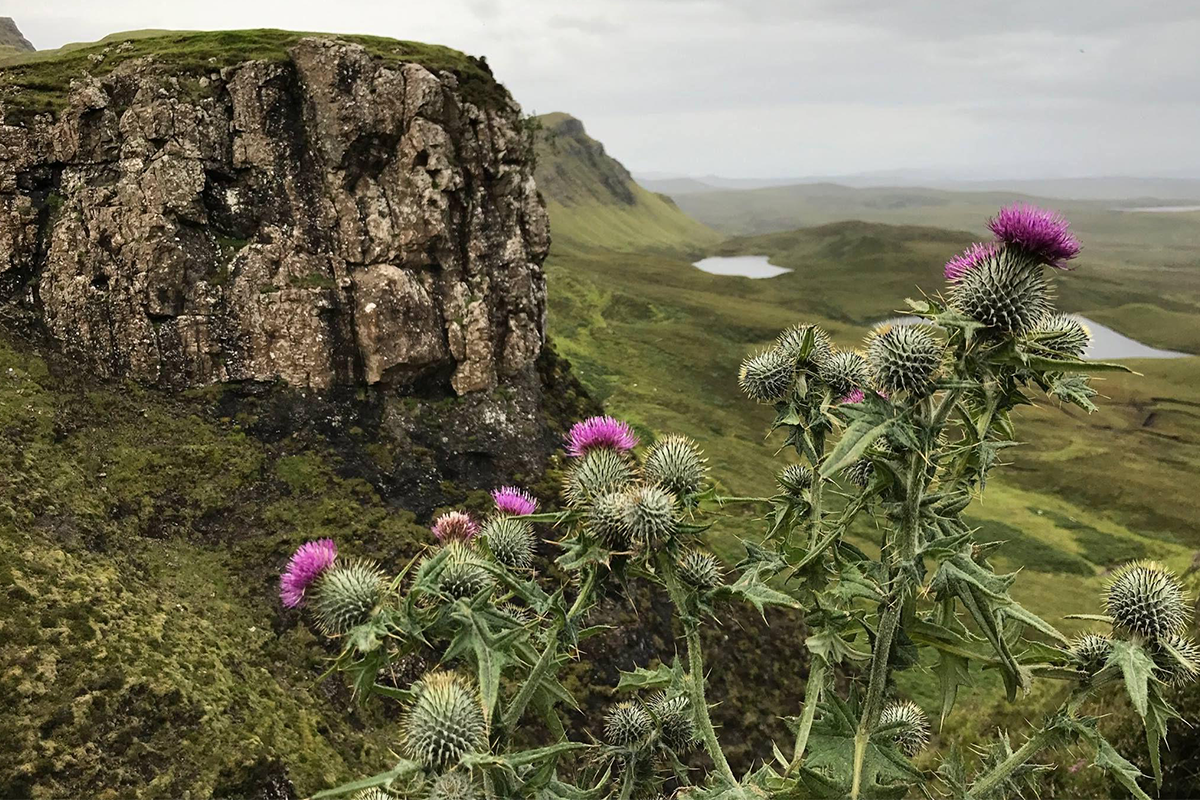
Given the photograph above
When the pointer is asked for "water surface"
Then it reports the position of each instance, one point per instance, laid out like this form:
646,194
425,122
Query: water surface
1107,344
745,266
1161,209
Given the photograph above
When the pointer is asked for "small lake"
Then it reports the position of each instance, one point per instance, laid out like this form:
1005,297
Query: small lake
744,266
1161,209
1107,344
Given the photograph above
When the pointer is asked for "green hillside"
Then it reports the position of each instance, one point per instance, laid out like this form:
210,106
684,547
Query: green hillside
593,201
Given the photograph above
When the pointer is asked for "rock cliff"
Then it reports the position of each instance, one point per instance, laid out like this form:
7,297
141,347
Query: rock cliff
326,216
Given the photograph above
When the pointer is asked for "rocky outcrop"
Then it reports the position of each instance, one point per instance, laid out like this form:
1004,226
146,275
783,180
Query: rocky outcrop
328,219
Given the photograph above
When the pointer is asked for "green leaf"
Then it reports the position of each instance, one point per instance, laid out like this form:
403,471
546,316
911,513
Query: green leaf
1112,762
952,671
385,779
641,678
1158,714
1042,364
751,589
854,442
1137,667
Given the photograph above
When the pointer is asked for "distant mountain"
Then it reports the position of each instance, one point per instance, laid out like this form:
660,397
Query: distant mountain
12,41
1119,189
594,201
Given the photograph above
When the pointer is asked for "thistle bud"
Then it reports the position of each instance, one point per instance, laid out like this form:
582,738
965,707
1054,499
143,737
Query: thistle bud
904,358
1064,335
511,541
1091,651
700,569
794,479
347,594
1177,660
1005,291
607,520
462,575
844,372
650,517
1145,598
372,794
860,472
598,472
445,722
627,724
913,734
675,720
454,785
791,344
676,463
767,376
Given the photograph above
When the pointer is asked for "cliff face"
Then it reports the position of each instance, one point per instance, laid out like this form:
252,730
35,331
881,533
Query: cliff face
11,38
328,218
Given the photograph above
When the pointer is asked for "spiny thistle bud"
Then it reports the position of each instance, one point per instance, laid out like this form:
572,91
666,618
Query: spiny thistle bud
518,614
462,573
445,722
1063,335
794,479
904,358
860,472
700,569
845,372
1177,660
1091,651
1145,598
607,520
650,518
1004,291
627,724
676,463
599,472
511,541
675,720
766,377
791,344
373,794
454,785
347,593
913,734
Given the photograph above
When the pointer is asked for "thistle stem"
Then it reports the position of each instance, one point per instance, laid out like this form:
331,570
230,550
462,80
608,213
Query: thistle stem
695,682
721,500
1004,769
812,697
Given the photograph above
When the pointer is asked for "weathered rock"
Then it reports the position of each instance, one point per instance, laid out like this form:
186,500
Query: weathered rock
328,220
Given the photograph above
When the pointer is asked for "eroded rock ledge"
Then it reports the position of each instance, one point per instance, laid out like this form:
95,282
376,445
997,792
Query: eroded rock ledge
328,220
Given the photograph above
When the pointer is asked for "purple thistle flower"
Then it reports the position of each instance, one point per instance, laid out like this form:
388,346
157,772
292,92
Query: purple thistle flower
596,432
855,396
455,526
514,501
969,259
1038,232
306,565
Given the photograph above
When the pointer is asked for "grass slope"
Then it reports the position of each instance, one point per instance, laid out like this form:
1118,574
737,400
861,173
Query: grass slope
593,201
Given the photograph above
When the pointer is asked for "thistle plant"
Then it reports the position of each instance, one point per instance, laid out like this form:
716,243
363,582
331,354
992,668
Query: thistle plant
895,443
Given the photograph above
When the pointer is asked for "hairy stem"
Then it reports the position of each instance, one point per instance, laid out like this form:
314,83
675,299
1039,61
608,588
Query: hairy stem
988,783
695,682
812,697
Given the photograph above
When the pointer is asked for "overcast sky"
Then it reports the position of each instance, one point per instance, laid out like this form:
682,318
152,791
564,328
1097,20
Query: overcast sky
781,88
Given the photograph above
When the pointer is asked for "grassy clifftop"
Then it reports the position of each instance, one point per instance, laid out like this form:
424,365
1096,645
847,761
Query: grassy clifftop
595,203
39,82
